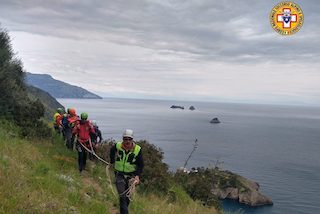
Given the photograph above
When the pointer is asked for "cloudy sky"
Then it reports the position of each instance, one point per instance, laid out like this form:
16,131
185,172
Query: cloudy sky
206,50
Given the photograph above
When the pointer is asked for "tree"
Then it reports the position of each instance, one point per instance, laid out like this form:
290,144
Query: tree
15,105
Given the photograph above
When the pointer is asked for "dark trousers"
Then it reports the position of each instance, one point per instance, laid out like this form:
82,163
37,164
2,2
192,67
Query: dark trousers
57,128
122,185
69,138
91,156
82,157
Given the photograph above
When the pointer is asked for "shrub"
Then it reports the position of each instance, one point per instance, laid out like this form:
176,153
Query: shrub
199,185
155,177
15,105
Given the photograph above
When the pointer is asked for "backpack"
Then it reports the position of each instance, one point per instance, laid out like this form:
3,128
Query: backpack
65,121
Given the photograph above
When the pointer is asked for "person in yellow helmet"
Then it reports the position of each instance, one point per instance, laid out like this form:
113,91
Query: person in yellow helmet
126,157
57,118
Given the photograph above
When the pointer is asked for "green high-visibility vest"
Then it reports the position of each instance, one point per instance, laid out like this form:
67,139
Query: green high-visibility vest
125,162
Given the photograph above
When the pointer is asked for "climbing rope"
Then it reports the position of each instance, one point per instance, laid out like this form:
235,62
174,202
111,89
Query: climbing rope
132,182
102,160
131,189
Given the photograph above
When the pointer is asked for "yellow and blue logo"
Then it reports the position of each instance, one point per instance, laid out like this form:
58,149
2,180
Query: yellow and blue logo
286,18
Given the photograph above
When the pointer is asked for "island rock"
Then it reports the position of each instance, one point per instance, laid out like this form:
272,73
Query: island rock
174,107
192,108
215,120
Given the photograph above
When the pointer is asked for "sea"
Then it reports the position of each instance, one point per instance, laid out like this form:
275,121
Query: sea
276,146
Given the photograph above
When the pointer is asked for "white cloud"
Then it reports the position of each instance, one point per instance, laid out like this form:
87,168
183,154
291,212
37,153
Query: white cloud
186,50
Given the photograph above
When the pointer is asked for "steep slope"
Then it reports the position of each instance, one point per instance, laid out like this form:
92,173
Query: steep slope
57,88
42,177
50,103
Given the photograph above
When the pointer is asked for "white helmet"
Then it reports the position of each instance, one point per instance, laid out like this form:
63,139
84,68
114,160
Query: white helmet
128,133
94,123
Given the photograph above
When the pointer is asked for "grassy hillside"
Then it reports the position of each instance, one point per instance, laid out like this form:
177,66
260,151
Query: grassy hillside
42,177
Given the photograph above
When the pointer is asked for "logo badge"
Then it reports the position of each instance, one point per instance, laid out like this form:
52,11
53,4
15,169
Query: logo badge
286,18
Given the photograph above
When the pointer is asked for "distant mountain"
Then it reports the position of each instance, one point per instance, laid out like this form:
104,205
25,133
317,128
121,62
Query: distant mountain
57,88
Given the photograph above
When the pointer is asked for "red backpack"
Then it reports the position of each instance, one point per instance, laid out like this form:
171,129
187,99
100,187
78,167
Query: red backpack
83,130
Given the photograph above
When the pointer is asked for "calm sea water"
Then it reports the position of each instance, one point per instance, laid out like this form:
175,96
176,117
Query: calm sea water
276,146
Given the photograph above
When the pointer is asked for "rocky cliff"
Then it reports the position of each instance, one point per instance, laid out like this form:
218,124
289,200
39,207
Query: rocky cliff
245,191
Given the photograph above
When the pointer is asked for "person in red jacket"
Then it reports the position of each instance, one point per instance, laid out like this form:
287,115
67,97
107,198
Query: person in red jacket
82,130
69,124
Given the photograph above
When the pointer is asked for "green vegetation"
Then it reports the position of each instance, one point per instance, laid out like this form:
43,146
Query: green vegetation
49,102
156,178
15,105
39,175
199,184
180,186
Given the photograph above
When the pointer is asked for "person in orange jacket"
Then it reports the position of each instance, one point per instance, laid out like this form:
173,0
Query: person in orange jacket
83,129
57,120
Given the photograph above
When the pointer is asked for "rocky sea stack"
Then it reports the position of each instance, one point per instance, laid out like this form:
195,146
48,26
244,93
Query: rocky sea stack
192,108
215,120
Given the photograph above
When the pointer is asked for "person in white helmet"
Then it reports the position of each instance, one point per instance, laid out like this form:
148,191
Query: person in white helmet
96,138
127,160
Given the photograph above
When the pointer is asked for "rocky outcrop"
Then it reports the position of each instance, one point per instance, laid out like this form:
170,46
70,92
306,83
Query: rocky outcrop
215,120
174,107
192,108
247,193
254,199
210,185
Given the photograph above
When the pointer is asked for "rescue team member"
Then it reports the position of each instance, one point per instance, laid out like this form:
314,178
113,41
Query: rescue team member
69,122
96,138
57,118
82,130
126,157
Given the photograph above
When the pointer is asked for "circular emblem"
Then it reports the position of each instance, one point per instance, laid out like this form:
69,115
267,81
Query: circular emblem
286,18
